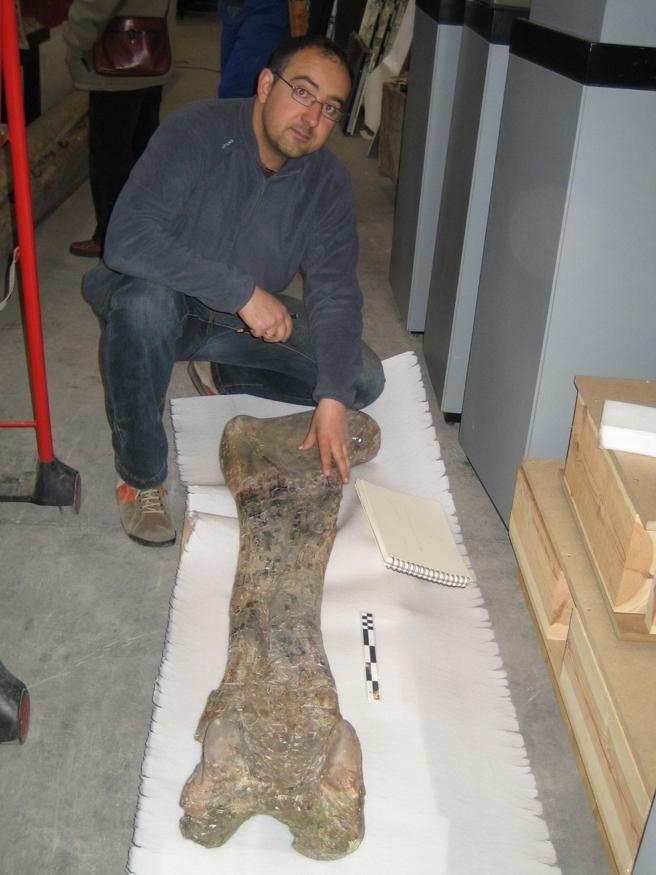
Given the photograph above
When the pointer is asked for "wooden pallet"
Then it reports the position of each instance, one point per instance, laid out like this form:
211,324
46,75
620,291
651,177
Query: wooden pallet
606,686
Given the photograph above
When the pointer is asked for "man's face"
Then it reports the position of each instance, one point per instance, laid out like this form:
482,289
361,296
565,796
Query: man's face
286,129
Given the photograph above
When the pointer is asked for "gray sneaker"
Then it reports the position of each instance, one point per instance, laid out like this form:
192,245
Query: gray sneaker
145,515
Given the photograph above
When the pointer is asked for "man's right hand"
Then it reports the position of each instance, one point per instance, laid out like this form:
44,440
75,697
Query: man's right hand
266,317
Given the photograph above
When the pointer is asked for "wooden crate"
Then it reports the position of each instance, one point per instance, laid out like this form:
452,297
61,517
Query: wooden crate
606,686
613,495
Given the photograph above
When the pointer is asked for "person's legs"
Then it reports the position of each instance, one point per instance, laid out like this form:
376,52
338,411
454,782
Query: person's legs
278,386
259,30
148,327
142,325
279,371
146,120
145,328
231,18
119,123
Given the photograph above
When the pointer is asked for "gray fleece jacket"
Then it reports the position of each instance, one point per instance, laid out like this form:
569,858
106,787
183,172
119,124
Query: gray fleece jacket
201,216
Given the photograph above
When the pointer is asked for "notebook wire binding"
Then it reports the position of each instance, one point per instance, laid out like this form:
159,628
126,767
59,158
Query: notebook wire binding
443,577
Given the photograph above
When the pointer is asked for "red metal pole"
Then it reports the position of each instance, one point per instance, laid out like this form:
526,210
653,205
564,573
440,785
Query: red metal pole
17,136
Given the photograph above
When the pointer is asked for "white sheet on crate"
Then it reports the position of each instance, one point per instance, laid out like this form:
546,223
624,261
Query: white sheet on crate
449,788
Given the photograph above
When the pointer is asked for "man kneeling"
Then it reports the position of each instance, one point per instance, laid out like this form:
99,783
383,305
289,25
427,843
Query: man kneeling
229,201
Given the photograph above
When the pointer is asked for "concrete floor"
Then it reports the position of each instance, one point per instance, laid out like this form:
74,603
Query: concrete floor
84,609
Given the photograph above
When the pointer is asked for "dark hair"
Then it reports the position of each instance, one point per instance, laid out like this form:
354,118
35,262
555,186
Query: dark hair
285,52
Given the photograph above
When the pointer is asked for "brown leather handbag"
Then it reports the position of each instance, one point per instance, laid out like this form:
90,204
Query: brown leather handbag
133,46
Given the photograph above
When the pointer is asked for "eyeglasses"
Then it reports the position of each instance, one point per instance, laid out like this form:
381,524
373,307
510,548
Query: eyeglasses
302,95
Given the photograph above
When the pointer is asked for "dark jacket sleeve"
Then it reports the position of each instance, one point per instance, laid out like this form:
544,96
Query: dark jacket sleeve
333,296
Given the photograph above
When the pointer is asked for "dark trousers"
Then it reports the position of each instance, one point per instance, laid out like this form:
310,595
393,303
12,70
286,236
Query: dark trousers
120,125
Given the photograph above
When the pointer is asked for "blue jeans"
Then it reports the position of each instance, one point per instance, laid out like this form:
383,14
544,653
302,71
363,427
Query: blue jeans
146,328
250,33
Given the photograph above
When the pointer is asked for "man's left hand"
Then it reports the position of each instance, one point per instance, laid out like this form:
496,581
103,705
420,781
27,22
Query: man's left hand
328,430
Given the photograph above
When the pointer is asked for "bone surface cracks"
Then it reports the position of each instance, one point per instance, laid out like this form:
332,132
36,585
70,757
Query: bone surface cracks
273,738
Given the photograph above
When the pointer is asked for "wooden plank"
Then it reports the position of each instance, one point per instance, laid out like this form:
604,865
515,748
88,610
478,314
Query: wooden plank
570,733
541,570
613,497
608,686
611,770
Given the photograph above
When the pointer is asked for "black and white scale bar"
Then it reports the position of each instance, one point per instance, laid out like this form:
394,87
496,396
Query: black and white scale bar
370,664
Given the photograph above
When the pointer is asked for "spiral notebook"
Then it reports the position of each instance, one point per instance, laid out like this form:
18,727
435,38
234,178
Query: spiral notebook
413,534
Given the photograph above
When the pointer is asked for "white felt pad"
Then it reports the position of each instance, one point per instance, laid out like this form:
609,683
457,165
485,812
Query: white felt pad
449,788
